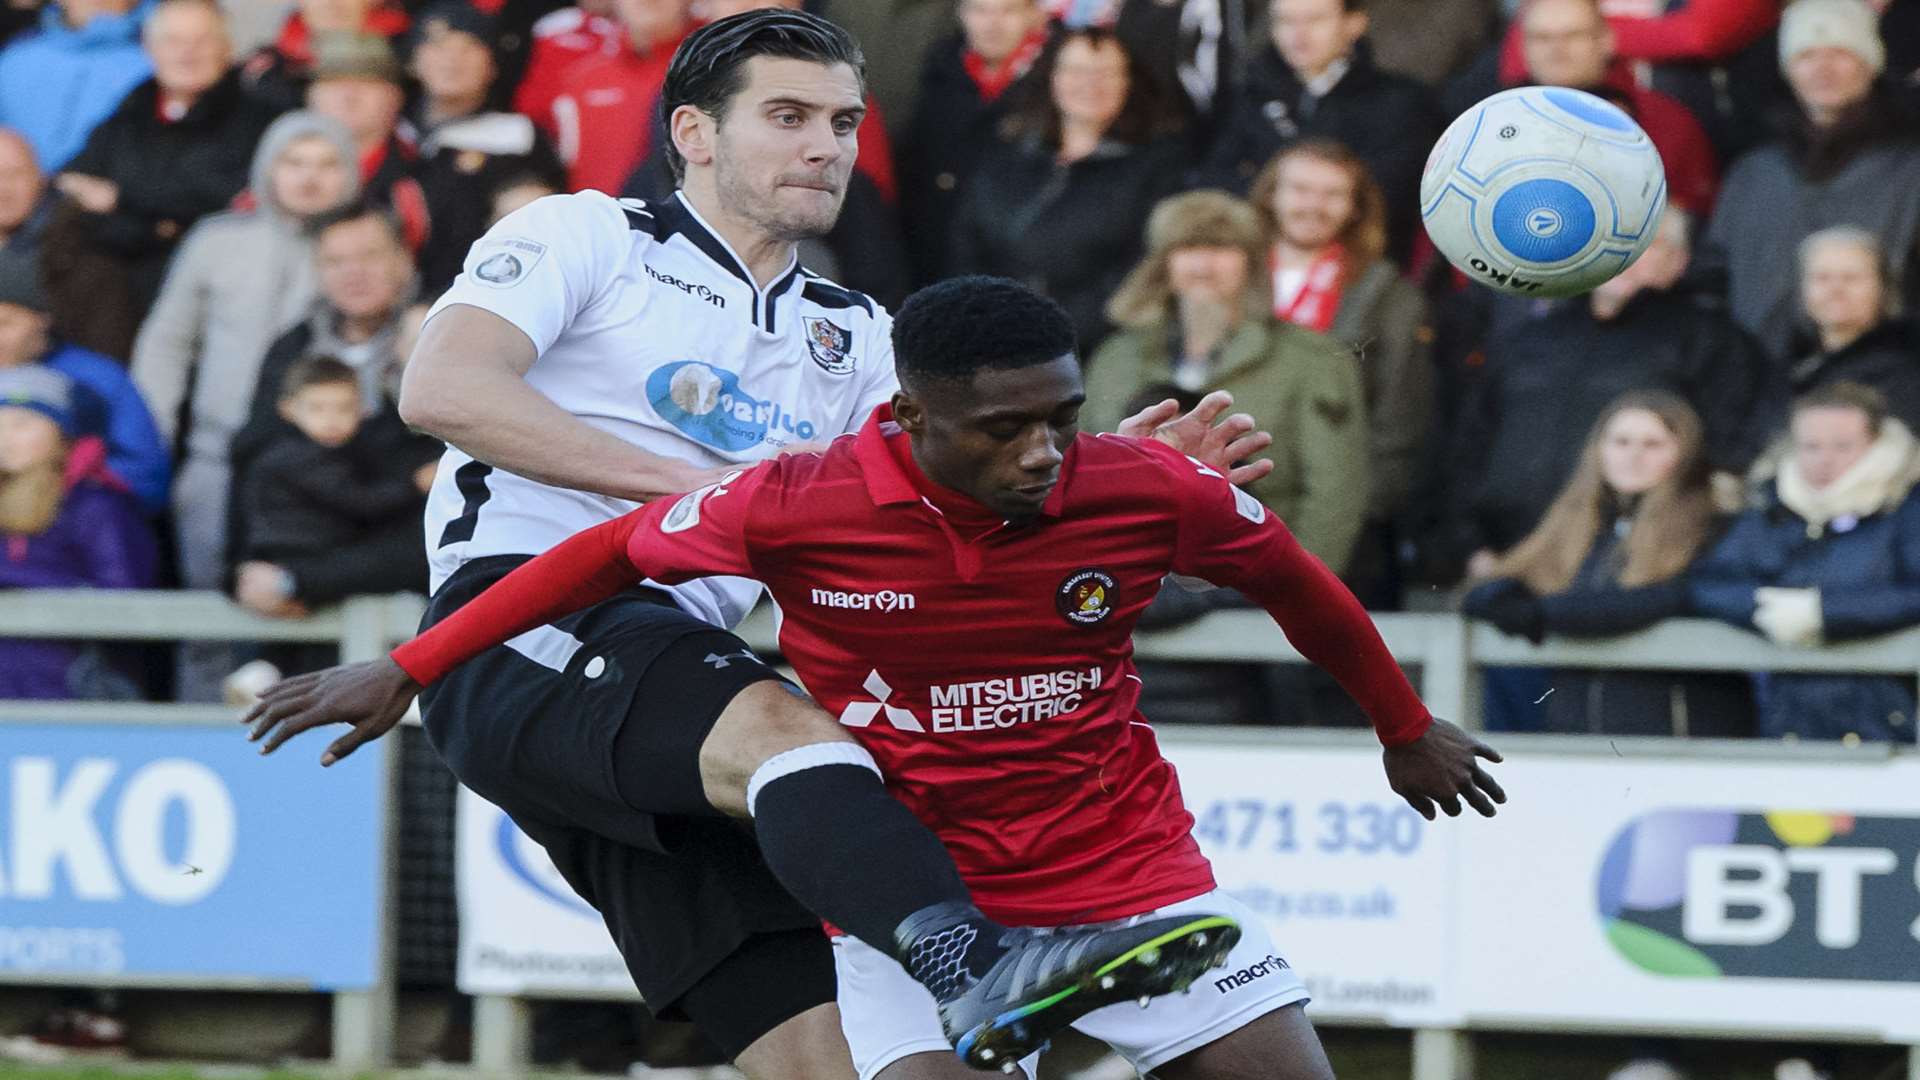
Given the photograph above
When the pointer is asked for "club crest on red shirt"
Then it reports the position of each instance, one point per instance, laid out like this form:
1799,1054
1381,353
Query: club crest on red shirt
1086,597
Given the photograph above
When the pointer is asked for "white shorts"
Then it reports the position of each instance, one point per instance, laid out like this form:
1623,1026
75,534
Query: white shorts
887,1016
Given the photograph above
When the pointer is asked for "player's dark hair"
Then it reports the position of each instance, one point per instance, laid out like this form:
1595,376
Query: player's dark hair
359,210
317,370
951,331
710,66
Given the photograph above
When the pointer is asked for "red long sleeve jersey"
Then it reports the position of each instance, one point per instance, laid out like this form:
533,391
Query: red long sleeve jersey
991,678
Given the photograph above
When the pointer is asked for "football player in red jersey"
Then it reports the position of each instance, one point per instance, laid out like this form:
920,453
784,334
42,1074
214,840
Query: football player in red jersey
959,582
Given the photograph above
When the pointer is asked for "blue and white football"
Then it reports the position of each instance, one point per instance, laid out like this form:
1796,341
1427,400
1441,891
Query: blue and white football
1543,191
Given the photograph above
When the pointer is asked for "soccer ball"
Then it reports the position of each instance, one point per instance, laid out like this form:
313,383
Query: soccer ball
1543,191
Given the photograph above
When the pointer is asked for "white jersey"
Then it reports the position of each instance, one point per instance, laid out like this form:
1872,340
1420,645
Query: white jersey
648,326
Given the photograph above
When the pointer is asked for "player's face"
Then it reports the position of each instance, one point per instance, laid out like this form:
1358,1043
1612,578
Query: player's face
1827,441
1637,451
1002,438
784,152
1842,289
1566,43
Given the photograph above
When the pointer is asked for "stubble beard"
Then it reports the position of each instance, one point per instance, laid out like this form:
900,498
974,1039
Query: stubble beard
763,211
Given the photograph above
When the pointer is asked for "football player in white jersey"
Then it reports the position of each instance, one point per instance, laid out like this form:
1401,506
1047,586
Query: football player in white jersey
597,353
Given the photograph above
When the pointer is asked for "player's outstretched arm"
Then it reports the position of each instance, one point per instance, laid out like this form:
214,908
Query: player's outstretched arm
1227,537
465,384
577,573
1203,435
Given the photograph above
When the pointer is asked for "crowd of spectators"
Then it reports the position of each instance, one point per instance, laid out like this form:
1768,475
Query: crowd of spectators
217,240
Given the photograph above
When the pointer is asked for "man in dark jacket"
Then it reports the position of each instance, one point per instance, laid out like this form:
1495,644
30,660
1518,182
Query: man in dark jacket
965,85
1551,366
177,148
1318,78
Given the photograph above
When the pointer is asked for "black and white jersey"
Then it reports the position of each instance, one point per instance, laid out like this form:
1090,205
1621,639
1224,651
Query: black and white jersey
648,326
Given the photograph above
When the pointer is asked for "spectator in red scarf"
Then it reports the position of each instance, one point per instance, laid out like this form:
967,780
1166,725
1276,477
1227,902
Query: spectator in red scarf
1569,43
1326,225
963,99
358,81
279,73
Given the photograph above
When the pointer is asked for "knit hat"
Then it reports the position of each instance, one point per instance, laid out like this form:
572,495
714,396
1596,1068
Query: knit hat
342,54
1845,24
42,389
20,281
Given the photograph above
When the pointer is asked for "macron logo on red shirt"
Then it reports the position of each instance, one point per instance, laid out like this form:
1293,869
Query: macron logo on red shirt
884,600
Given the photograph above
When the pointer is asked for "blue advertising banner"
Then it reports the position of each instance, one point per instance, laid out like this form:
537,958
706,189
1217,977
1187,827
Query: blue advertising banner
144,854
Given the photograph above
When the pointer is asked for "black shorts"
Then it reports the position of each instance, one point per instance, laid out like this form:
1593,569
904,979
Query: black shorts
588,736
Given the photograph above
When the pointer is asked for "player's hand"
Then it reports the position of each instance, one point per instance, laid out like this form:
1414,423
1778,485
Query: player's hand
372,696
1217,445
1440,767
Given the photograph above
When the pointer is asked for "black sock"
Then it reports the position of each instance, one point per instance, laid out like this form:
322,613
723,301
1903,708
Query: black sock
858,858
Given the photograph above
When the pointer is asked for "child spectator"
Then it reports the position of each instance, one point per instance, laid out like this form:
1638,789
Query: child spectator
1610,558
64,524
1828,550
307,494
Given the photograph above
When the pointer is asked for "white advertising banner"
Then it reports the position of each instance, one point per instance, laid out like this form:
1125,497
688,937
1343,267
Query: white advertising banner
1729,895
523,931
1353,883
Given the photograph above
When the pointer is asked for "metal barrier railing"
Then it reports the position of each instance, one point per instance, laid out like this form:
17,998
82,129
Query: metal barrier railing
1449,651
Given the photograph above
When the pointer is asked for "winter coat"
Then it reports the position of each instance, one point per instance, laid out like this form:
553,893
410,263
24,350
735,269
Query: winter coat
1551,368
1383,319
1886,358
170,174
1389,120
1772,200
1071,231
238,280
1867,571
952,126
86,288
57,83
462,162
135,453
1606,701
99,540
301,498
1304,387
